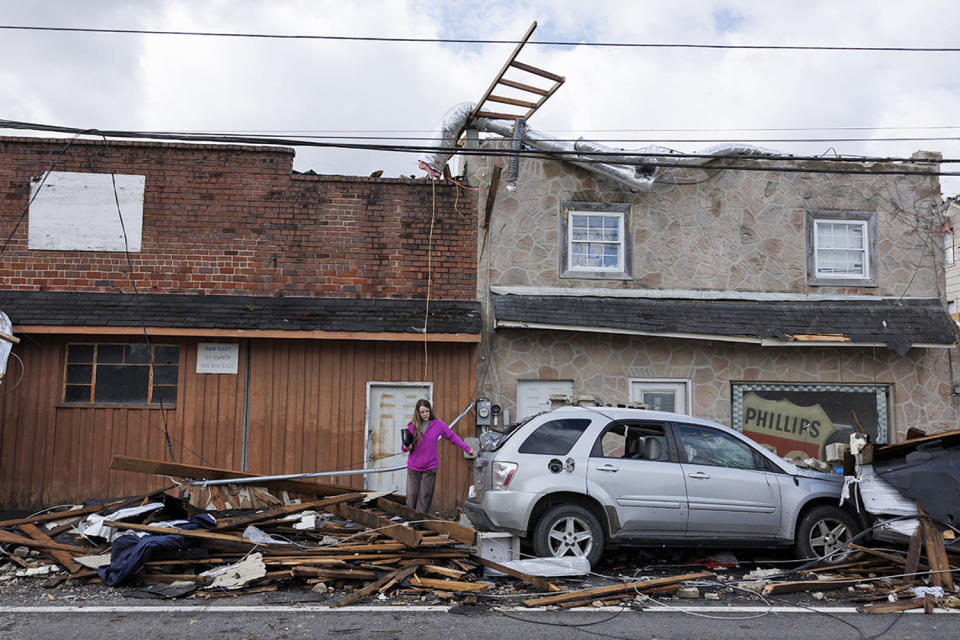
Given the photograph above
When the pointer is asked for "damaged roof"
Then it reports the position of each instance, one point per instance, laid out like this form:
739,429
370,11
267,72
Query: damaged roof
897,324
238,312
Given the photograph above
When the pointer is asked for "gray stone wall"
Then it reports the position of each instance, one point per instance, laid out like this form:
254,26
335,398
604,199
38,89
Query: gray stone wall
712,230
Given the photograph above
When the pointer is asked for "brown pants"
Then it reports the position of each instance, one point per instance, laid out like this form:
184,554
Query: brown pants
420,486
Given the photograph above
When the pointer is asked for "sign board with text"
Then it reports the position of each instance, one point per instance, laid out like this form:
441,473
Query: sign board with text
218,357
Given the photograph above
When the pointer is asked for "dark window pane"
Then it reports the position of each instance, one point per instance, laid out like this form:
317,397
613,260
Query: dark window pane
110,353
169,395
555,438
166,355
121,383
79,374
77,393
138,353
165,375
80,353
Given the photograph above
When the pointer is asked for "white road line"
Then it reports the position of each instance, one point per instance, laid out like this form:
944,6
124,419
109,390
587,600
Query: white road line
716,610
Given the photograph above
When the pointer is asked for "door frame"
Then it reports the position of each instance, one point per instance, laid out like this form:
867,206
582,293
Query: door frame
366,413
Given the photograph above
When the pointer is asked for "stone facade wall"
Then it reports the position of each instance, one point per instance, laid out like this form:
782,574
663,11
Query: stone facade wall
226,219
721,230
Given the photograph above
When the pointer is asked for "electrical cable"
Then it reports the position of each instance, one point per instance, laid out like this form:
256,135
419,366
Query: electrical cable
19,380
550,43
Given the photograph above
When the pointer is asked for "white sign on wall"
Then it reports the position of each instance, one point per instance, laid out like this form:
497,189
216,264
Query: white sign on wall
78,212
218,357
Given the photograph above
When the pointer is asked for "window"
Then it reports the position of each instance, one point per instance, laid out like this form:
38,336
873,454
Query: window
841,248
555,438
661,394
706,446
595,240
948,247
645,441
952,307
121,374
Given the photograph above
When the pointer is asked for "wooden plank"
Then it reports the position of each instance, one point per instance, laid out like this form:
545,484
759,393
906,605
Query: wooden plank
936,555
537,71
774,588
60,515
62,557
455,530
602,592
334,574
198,534
500,74
9,338
403,534
449,585
912,563
444,571
892,607
511,101
260,516
12,538
491,197
519,575
179,470
524,87
494,115
394,576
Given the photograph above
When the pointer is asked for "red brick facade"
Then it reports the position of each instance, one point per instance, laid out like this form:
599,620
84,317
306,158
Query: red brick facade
236,220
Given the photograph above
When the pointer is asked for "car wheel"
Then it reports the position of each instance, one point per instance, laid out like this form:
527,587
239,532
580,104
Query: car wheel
824,533
568,530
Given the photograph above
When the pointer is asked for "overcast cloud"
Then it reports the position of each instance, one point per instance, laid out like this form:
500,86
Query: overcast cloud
309,87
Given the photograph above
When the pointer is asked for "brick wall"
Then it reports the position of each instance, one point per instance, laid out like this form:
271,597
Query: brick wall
221,219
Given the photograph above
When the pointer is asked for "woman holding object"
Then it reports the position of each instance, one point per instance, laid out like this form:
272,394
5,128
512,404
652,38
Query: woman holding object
425,432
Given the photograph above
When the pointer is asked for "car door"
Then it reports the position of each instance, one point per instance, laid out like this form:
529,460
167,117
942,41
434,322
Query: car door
632,468
729,492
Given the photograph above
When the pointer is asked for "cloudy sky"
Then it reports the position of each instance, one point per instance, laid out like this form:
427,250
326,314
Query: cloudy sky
320,87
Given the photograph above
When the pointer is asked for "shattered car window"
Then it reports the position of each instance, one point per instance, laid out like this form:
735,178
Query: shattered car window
708,447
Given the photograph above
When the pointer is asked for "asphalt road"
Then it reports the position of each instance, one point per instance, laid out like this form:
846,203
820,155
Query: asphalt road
267,622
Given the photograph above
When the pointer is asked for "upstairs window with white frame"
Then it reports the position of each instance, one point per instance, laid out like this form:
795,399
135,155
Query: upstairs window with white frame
595,241
842,248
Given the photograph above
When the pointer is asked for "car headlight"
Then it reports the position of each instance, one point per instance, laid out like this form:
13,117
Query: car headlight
503,473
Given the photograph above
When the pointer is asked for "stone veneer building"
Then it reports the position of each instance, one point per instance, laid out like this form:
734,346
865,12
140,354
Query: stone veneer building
790,304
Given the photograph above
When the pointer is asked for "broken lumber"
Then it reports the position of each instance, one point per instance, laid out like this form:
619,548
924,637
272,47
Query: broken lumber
602,592
399,532
179,470
774,588
513,573
63,558
449,585
892,607
395,576
454,530
267,514
12,538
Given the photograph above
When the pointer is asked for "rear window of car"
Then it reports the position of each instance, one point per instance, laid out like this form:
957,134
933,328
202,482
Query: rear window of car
555,438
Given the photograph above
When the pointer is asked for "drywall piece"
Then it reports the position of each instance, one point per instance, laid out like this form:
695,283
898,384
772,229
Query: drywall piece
78,212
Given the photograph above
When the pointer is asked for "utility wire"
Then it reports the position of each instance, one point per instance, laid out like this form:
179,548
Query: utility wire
582,157
549,43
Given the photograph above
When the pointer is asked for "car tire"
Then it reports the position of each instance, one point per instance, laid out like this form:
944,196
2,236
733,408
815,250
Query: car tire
824,533
567,530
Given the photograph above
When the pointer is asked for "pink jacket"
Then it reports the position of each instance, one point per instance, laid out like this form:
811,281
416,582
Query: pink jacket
425,456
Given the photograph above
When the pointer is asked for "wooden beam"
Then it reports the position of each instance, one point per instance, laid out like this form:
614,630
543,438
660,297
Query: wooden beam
537,71
524,87
267,514
180,470
519,575
199,534
602,592
449,585
493,115
12,538
63,558
940,570
250,333
9,338
892,607
503,70
395,576
807,585
491,196
398,532
512,101
912,563
454,530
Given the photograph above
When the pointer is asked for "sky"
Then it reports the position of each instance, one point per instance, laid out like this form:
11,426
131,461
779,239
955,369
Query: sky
299,87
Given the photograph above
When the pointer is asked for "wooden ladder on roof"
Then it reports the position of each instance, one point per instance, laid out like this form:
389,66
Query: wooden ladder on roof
533,96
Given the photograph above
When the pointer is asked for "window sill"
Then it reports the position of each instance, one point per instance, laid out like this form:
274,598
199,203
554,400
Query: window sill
111,405
595,275
841,282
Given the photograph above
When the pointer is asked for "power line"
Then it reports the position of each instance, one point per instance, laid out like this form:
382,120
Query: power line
583,157
551,43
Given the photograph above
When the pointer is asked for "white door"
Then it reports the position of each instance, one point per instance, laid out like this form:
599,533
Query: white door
533,396
663,395
389,409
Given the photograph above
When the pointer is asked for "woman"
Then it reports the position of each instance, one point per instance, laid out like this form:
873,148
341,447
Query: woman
425,430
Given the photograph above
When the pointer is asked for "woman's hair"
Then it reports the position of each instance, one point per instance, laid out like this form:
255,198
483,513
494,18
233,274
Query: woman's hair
422,402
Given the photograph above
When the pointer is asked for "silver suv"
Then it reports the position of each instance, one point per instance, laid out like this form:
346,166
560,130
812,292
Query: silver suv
579,478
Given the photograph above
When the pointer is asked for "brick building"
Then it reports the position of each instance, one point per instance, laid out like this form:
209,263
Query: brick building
257,318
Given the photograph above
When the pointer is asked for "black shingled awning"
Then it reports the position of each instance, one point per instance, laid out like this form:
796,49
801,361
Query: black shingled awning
53,308
897,324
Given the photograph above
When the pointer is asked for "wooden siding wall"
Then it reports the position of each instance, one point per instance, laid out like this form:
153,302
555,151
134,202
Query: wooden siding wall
306,413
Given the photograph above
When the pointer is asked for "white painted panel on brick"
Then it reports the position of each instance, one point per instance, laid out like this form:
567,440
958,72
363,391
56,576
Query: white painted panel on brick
78,212
218,357
533,396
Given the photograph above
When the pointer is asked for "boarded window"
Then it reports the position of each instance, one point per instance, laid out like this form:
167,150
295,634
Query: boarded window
121,374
